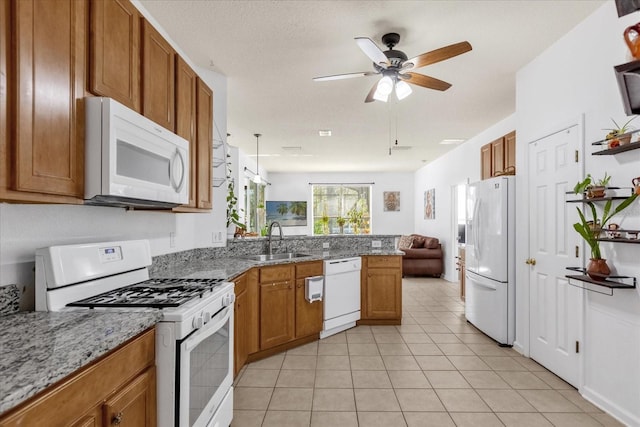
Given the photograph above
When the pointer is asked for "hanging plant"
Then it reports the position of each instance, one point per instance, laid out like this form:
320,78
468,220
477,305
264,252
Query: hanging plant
233,213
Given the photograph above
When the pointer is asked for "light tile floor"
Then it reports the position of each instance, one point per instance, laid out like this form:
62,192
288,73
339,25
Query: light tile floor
433,370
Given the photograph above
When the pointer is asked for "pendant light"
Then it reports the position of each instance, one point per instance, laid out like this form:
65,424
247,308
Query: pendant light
256,177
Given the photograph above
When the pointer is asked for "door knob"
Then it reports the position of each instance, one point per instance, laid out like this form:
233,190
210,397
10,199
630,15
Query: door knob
530,261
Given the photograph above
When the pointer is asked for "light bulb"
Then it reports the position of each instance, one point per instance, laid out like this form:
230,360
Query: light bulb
403,90
380,97
385,85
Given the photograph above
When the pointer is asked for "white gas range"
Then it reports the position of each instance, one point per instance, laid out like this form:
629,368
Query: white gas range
194,339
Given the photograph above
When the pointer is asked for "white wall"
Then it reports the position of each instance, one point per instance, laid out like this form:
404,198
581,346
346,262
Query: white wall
573,77
295,187
23,228
459,166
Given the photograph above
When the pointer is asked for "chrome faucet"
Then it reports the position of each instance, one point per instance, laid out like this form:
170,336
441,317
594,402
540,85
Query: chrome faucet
270,249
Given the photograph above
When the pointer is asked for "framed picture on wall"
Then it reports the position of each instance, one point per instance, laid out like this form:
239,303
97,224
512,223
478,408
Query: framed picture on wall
288,214
391,201
430,204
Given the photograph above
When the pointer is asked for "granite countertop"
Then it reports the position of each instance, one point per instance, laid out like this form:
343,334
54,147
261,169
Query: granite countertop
38,349
227,268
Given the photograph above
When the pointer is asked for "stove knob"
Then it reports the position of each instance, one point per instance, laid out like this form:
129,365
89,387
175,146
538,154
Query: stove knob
198,322
207,317
228,300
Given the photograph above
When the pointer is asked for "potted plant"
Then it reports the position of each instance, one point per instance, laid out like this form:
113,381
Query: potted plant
341,221
355,219
592,188
589,230
617,135
325,222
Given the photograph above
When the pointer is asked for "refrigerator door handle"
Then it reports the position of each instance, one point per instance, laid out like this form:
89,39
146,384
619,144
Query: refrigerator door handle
485,285
476,229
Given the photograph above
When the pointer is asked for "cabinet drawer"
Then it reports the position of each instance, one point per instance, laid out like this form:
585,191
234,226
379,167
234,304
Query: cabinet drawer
379,261
308,269
276,273
240,284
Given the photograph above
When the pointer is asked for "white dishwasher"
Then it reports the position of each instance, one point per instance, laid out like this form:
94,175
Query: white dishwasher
341,295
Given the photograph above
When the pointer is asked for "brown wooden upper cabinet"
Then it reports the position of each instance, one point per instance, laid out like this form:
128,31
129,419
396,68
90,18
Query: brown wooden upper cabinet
485,162
42,141
158,81
186,80
204,152
498,157
115,51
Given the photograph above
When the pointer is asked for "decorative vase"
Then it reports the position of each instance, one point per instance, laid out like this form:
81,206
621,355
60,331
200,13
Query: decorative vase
598,269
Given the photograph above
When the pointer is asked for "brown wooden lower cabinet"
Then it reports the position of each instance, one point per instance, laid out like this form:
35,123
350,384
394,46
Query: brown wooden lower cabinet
277,313
381,290
121,386
241,325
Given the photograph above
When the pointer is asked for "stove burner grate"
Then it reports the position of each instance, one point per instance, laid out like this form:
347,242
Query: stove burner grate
154,293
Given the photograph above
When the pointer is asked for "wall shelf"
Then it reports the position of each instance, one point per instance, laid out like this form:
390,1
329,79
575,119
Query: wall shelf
619,149
604,287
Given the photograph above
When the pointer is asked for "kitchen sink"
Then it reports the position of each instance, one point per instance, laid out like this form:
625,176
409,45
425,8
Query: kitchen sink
273,257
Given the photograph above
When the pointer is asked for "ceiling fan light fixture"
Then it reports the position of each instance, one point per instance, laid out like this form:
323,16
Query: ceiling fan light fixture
403,90
380,96
385,86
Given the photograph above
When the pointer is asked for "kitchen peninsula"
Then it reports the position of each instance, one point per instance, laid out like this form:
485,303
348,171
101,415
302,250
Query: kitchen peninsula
84,338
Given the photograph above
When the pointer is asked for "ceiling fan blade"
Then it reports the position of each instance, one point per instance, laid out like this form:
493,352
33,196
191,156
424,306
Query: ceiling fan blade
425,81
343,76
372,51
436,55
369,97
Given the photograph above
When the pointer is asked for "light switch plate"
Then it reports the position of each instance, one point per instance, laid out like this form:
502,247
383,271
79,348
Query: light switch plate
325,245
376,244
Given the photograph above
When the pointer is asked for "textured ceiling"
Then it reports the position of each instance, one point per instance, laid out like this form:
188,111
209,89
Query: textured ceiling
271,50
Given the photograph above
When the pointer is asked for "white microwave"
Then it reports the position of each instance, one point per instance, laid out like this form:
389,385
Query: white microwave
130,161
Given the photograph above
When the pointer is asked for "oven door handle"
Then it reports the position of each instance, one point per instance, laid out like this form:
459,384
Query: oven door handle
213,325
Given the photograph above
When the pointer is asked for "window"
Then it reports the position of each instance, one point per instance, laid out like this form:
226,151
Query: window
341,209
254,207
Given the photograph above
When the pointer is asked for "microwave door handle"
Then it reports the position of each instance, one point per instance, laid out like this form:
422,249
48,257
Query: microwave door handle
177,185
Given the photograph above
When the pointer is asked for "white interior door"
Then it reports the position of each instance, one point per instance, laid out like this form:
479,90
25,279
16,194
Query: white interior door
555,306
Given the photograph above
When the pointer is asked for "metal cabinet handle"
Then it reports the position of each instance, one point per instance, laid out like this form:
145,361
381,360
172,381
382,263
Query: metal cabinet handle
117,418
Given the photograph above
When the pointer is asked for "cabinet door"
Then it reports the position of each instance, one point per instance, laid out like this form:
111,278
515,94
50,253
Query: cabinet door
240,335
49,87
384,293
308,315
485,161
134,405
115,51
497,157
158,77
186,118
204,137
253,315
5,158
277,319
510,150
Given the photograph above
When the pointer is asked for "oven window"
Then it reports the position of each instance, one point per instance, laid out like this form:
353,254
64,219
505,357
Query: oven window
138,163
208,368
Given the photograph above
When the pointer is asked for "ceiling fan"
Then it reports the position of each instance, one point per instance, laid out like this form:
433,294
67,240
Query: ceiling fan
397,70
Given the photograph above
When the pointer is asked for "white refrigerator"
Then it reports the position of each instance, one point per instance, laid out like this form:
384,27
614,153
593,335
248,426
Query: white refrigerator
490,293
